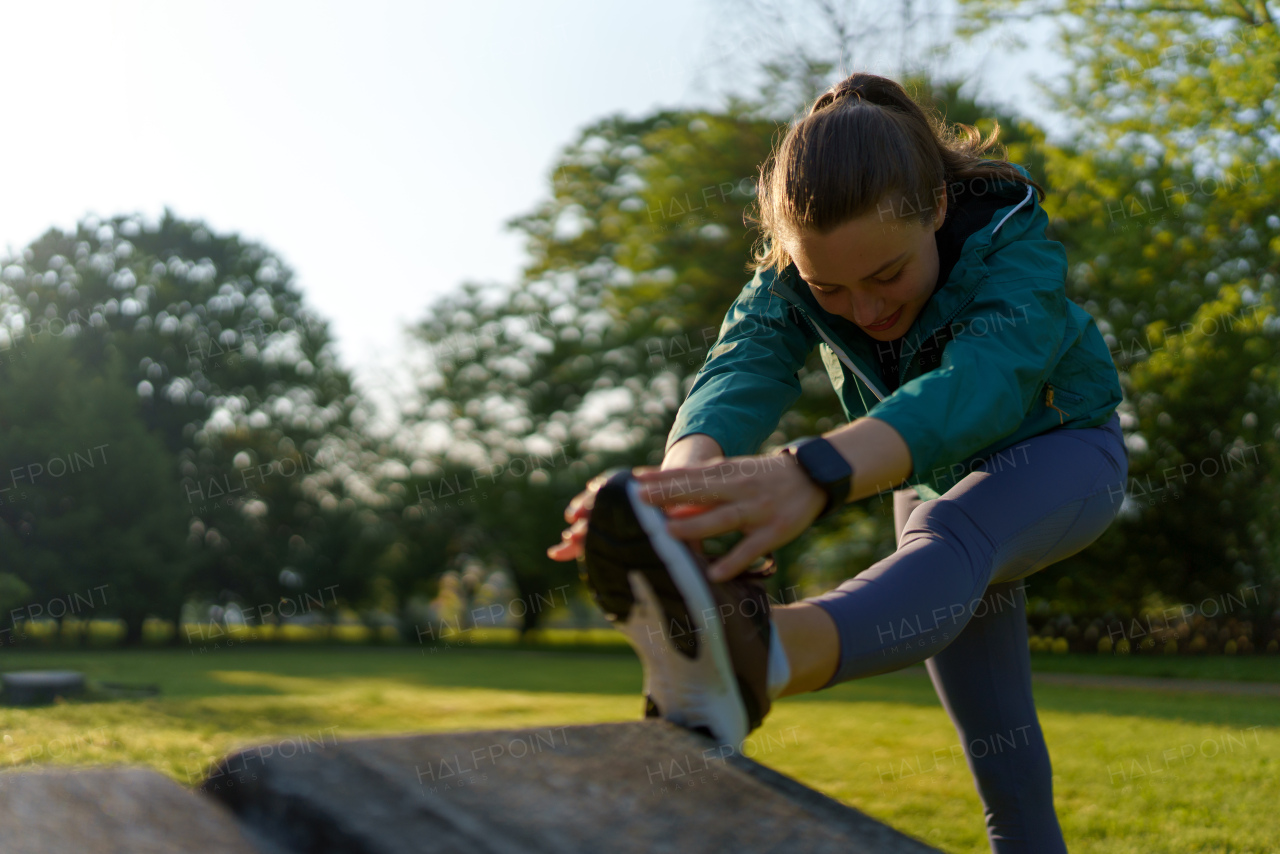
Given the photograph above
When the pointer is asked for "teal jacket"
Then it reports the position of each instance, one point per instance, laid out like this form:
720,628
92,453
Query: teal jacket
1011,357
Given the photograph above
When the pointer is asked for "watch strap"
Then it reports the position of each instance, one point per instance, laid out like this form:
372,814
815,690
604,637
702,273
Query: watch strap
826,467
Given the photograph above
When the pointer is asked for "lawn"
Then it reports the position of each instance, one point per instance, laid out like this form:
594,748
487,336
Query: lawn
1241,668
1135,771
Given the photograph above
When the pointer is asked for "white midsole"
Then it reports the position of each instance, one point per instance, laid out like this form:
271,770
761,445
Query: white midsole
693,587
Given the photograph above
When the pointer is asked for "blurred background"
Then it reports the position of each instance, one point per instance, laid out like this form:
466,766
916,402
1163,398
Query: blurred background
313,317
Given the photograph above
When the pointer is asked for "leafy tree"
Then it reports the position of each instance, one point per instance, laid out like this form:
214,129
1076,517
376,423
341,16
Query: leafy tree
88,522
1165,201
236,378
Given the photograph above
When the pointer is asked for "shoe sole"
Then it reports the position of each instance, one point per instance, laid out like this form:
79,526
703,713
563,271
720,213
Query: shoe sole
626,534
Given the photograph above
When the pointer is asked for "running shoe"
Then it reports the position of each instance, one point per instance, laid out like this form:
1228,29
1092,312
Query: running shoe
704,645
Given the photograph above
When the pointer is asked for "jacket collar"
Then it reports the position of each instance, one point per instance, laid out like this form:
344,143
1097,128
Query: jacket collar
856,349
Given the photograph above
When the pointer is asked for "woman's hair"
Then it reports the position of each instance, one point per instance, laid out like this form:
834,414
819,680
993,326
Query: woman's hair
865,144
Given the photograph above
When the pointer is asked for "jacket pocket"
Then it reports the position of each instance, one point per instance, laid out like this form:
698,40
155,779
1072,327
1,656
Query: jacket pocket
1066,403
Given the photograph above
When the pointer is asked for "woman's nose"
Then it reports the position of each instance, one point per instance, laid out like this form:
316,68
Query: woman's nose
865,307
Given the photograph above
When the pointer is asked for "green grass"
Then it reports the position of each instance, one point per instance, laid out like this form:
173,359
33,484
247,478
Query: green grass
216,639
883,745
1241,668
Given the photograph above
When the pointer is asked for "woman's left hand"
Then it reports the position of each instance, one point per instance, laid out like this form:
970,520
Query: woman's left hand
768,498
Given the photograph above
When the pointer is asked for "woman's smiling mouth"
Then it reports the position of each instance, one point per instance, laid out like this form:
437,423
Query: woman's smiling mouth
886,323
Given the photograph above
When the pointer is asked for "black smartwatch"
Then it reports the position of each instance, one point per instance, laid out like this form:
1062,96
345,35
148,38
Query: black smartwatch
826,467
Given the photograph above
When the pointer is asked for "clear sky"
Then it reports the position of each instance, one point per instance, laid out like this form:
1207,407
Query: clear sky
378,147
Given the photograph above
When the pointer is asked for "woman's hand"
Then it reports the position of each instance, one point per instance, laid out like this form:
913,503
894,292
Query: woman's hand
768,498
579,512
576,514
690,450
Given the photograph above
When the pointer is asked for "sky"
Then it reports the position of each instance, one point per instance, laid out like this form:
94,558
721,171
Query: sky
378,147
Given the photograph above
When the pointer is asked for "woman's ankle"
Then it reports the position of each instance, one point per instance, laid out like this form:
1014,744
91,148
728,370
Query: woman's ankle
812,645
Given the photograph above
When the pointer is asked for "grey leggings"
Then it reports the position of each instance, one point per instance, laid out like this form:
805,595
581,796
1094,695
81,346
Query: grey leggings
950,596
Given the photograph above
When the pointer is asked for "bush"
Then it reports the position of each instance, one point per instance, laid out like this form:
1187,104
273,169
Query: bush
1153,634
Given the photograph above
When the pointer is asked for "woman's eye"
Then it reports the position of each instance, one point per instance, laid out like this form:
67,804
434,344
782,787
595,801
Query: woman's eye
896,276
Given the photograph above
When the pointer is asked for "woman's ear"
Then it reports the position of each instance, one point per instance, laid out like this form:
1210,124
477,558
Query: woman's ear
940,215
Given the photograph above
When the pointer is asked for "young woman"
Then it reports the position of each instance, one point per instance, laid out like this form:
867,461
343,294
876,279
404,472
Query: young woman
923,272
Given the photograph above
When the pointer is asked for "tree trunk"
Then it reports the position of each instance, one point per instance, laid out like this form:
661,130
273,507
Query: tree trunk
133,630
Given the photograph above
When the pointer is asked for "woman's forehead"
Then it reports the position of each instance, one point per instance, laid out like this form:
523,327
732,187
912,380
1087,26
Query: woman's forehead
857,249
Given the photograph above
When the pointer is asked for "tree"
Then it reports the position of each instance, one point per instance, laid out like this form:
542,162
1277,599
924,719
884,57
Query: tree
1165,203
88,521
235,378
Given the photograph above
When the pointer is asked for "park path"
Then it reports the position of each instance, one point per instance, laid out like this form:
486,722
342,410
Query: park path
1219,687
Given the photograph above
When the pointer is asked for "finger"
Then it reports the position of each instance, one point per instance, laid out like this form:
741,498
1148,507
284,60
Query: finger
741,556
682,511
580,505
673,487
571,540
565,551
723,519
650,473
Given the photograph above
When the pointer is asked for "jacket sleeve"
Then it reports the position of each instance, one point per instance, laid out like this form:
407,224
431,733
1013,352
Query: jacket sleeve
750,377
1006,343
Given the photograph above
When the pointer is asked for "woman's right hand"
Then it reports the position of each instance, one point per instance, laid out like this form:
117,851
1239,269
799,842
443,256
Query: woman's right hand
576,514
579,512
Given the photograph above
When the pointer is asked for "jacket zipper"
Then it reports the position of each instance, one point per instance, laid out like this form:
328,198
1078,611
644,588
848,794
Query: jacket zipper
903,372
848,362
844,357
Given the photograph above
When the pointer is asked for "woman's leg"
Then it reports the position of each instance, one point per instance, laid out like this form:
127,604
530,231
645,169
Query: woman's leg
1056,495
1032,506
984,682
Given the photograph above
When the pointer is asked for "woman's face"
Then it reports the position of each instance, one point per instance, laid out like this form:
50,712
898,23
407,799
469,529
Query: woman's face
877,273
